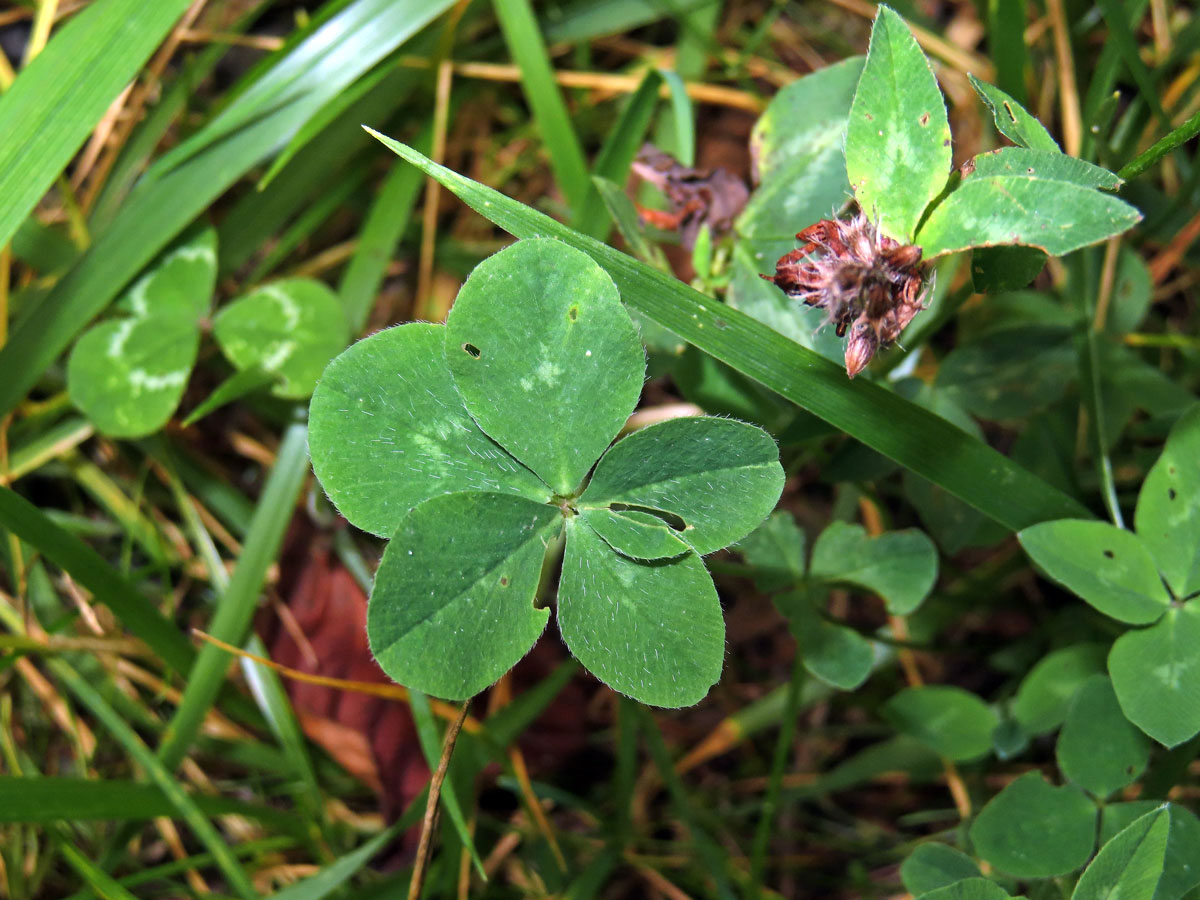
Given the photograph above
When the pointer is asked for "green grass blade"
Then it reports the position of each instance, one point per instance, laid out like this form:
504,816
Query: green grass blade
60,799
910,435
1006,39
584,20
528,51
195,861
682,120
316,70
239,601
183,804
46,445
616,155
385,223
622,144
107,585
137,151
101,882
324,117
337,873
1161,148
779,762
1120,33
43,247
56,101
320,207
139,527
276,706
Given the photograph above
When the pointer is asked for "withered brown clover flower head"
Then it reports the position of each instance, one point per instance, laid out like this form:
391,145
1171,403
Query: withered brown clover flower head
868,284
697,197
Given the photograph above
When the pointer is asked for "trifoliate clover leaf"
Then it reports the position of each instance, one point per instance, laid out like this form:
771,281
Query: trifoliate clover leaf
432,435
290,329
128,374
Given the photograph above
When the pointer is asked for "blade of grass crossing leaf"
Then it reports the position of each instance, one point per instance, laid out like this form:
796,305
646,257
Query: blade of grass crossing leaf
185,807
528,51
377,241
58,98
239,601
902,431
431,747
90,570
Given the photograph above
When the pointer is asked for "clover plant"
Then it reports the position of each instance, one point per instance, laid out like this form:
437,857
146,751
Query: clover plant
476,446
128,374
1149,579
900,567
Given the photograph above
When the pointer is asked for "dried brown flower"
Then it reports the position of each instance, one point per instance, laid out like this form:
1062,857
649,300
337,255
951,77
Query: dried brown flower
867,283
697,196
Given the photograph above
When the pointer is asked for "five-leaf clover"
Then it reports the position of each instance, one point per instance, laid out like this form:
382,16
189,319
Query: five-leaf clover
473,446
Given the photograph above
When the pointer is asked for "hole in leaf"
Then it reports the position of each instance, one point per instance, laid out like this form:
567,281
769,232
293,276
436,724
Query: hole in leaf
1171,493
672,521
503,581
924,118
1108,554
573,313
472,351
